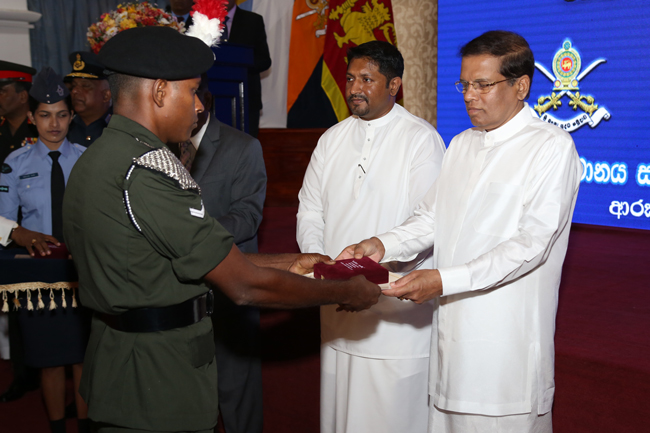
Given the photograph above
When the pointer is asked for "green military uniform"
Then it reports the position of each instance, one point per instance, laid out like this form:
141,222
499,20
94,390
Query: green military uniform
25,134
151,253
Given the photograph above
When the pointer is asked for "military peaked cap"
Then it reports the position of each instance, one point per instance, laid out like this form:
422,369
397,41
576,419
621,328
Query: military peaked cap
14,72
156,52
85,64
48,87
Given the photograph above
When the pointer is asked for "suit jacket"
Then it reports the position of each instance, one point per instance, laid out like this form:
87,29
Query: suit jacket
248,29
229,168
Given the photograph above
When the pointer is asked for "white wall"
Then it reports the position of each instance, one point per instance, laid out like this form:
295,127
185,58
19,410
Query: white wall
14,31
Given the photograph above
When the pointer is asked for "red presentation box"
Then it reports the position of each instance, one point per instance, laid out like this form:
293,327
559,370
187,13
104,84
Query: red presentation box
346,269
60,252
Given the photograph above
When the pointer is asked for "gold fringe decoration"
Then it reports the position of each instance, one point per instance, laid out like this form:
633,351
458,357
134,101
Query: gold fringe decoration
7,290
52,303
41,305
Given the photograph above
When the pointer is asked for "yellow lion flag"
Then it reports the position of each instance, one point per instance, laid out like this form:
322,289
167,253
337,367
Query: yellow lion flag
352,23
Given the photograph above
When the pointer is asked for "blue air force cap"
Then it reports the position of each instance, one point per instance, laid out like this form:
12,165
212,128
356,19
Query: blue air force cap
156,52
48,87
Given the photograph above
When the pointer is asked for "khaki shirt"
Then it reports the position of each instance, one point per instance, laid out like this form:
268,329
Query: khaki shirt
156,381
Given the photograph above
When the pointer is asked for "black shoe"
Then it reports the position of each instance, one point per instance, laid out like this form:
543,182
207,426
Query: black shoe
17,389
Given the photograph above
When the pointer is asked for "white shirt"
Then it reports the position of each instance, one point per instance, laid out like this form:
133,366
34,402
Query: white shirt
6,225
196,138
364,178
499,216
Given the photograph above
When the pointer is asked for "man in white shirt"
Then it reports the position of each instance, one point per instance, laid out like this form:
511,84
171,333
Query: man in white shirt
499,216
366,175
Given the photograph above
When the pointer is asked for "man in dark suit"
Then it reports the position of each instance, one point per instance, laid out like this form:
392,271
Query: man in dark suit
247,28
180,9
229,168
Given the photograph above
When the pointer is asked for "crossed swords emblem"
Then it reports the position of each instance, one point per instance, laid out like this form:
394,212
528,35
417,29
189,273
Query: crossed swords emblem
577,100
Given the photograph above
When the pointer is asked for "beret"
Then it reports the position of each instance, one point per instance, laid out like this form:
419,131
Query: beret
156,52
48,87
14,72
85,64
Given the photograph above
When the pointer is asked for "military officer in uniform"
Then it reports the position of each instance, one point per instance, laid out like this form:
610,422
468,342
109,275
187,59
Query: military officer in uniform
143,245
15,129
91,98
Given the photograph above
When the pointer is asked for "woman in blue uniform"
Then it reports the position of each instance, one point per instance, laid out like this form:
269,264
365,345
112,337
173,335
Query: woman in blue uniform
33,180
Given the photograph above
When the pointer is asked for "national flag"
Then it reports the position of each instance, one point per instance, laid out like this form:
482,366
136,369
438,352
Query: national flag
307,43
351,23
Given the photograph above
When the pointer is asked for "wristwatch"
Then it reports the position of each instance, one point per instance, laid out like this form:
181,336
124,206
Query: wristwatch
12,232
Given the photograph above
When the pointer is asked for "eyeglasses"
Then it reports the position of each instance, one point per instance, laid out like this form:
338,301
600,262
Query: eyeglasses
479,86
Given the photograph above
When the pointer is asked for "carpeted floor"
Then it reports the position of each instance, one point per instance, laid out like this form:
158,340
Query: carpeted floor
602,342
602,337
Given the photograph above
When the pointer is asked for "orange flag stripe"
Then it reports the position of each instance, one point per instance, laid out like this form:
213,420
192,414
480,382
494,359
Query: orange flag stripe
307,42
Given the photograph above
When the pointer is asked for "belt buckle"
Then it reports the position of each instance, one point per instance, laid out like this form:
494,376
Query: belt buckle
209,303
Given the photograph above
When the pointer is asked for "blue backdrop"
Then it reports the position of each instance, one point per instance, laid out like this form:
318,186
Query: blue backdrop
611,122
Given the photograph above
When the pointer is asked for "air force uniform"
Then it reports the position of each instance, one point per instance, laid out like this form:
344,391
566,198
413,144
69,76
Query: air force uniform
25,183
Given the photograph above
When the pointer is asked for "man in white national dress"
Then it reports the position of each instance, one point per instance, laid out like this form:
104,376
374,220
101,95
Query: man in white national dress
499,216
366,175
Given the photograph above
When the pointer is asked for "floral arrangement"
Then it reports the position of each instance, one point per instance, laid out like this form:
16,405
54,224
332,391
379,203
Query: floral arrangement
127,16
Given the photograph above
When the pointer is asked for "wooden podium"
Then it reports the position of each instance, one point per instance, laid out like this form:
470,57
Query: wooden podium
229,84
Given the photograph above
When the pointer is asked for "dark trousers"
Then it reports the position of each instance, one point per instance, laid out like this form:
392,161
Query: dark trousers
254,122
239,369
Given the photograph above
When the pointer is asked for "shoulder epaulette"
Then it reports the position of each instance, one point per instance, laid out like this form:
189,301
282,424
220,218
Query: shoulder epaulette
163,161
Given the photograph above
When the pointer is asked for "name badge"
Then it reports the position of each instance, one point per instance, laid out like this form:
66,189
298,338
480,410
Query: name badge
28,176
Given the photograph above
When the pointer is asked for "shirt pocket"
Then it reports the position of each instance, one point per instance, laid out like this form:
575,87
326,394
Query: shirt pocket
33,191
500,210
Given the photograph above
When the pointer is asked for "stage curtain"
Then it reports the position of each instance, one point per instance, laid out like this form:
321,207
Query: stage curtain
62,29
416,24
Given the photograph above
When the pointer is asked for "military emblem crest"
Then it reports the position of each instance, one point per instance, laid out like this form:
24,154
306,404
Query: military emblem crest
566,78
78,64
318,7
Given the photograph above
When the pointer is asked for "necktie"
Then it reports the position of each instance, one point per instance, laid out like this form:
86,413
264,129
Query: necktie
224,34
57,187
186,154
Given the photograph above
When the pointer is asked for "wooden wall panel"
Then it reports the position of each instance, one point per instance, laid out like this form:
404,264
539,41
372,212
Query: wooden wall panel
286,154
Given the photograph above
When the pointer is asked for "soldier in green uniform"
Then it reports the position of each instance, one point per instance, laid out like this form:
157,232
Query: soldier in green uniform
144,248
